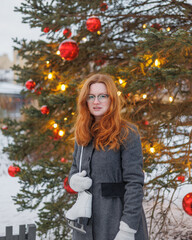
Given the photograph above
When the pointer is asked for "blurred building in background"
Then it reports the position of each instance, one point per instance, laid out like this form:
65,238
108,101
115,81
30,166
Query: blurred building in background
10,98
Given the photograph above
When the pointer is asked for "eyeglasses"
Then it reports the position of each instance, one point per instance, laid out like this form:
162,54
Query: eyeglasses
101,98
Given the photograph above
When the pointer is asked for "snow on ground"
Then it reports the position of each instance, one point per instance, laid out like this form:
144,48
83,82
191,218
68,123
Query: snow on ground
9,186
178,223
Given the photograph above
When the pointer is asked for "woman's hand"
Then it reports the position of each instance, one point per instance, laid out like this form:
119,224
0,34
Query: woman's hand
79,182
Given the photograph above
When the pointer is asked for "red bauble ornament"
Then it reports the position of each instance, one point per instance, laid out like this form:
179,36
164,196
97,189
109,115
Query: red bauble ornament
67,32
38,90
56,135
44,109
12,170
156,26
181,178
4,127
187,203
46,29
145,122
67,187
100,61
69,50
30,84
103,6
64,160
93,24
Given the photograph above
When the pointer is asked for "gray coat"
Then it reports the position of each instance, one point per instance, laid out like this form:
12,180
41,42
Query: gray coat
117,189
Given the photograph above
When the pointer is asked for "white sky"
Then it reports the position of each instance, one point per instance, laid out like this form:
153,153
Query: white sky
11,26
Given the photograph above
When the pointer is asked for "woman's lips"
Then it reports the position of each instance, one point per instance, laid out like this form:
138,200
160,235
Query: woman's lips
96,108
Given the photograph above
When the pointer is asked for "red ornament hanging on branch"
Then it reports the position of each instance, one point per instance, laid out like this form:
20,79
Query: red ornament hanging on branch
67,187
145,122
46,29
4,127
181,178
64,160
187,203
103,6
56,135
13,170
45,109
38,90
69,50
100,60
156,26
93,24
30,84
67,32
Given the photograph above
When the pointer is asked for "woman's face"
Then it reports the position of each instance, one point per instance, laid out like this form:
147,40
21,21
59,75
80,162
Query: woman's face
98,100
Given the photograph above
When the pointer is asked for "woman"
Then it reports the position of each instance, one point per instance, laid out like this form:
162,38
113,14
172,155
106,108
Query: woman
113,161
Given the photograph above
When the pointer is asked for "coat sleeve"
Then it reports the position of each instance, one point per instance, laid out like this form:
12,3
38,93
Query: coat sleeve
74,168
133,176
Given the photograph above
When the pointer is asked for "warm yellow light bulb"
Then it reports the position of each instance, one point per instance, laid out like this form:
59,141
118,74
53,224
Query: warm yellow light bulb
50,75
168,29
144,26
63,87
157,63
47,62
144,96
65,119
72,113
152,149
61,133
121,81
170,99
58,52
119,93
99,32
84,39
55,125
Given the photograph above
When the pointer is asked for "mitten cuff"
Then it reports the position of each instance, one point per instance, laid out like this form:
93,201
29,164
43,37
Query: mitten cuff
125,227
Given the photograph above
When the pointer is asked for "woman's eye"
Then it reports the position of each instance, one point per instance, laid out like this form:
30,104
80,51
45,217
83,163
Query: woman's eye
102,96
91,97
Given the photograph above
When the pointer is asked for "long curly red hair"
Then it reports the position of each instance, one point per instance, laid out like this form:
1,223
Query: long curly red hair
108,131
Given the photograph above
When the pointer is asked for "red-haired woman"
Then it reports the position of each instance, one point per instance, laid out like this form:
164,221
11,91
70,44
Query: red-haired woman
111,168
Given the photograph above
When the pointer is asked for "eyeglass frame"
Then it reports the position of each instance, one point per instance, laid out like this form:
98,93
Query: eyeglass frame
97,97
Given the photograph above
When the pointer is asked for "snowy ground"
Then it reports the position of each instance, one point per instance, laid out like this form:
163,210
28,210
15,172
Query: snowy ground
179,226
9,186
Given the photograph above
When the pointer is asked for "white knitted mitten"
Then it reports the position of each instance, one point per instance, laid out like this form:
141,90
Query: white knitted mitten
79,182
125,232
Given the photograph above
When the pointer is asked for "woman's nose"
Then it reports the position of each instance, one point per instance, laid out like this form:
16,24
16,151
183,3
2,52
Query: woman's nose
96,100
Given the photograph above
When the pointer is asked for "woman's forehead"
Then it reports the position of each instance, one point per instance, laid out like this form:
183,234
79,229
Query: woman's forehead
97,88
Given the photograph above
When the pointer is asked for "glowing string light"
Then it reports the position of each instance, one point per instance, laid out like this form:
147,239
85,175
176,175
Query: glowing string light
50,76
144,96
119,93
170,99
63,87
144,26
55,125
61,133
152,149
157,63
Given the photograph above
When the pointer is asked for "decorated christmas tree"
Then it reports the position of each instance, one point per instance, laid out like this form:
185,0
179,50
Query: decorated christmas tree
146,47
